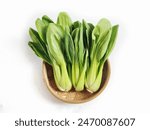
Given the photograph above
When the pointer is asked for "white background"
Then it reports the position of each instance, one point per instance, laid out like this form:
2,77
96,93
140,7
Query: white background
22,89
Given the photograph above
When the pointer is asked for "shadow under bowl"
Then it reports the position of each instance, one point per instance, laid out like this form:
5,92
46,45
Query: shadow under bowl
73,96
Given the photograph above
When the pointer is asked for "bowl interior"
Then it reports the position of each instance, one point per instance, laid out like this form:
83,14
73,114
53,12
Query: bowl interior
73,96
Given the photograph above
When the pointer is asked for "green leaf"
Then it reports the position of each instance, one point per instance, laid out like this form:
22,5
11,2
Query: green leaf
100,31
55,36
81,46
65,21
68,48
75,25
87,34
36,39
42,29
111,42
39,52
91,25
102,46
75,38
46,20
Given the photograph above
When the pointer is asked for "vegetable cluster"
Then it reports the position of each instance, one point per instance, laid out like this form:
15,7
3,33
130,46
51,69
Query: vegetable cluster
76,50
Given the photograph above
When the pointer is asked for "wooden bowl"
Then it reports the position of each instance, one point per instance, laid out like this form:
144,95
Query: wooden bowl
73,96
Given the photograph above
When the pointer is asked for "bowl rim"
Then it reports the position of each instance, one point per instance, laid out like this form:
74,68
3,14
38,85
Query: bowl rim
45,78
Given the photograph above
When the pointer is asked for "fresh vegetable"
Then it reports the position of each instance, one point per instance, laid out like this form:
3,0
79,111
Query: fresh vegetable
76,50
103,39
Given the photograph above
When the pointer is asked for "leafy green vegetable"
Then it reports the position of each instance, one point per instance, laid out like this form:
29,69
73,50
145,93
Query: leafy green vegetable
80,60
77,51
55,35
103,42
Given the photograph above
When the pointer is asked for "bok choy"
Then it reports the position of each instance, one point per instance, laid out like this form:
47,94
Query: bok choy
76,50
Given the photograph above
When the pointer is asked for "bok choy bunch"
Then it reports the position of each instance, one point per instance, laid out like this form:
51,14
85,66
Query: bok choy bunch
103,41
76,50
47,43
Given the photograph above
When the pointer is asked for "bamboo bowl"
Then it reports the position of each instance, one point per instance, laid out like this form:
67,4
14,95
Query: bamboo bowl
73,96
